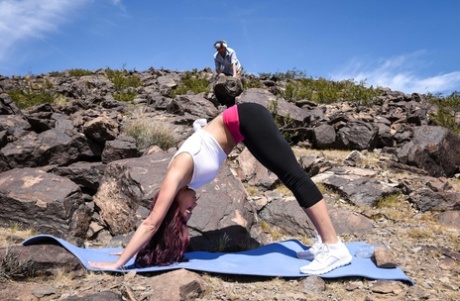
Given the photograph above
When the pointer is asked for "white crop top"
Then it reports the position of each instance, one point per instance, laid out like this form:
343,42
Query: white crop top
207,156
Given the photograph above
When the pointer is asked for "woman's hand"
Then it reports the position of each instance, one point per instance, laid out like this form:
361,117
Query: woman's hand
105,265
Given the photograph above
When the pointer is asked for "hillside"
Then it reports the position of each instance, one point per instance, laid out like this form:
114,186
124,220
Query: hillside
86,144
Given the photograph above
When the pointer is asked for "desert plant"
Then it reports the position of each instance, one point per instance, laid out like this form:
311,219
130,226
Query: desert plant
273,231
389,201
79,72
281,188
123,82
249,83
126,96
223,242
14,231
191,82
150,133
32,95
290,74
12,268
394,206
448,109
252,190
265,75
56,73
420,233
321,90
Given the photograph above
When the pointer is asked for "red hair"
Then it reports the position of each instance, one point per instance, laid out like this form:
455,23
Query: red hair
169,243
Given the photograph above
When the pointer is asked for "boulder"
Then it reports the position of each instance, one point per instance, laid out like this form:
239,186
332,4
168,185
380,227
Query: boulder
361,191
42,201
434,149
226,89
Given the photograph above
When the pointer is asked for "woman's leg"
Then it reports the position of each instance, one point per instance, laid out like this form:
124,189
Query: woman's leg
319,216
264,140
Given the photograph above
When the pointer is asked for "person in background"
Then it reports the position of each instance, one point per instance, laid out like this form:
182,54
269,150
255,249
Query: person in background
226,61
198,160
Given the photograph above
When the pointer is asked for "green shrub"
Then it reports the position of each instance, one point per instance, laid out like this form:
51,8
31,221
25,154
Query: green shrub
191,82
448,108
123,83
265,75
79,72
290,74
251,83
56,74
148,133
126,96
30,96
321,90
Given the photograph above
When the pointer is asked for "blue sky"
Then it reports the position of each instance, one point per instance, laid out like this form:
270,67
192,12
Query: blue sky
408,46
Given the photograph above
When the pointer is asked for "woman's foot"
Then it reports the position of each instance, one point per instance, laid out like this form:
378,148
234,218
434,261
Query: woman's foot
310,253
327,258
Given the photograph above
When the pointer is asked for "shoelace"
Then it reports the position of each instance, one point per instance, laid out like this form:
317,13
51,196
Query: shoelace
316,246
323,251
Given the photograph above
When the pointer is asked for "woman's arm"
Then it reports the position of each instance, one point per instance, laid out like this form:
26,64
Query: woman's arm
177,177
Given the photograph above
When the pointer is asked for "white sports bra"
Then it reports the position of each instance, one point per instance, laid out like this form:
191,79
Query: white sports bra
207,157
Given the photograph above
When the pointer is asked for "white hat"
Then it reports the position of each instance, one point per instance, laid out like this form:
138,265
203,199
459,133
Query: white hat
220,44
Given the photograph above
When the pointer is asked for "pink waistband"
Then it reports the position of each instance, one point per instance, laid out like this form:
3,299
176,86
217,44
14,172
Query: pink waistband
232,122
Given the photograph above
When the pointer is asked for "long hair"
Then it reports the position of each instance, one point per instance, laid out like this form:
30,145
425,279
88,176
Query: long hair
169,243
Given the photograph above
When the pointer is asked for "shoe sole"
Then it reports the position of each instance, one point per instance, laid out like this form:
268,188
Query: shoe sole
337,264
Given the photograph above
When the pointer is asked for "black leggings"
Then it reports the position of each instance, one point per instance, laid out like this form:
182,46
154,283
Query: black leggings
264,140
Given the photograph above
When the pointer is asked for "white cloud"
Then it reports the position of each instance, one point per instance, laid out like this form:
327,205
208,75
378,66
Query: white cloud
399,73
30,19
118,3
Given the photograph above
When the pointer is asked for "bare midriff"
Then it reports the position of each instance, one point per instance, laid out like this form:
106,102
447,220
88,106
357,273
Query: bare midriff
219,131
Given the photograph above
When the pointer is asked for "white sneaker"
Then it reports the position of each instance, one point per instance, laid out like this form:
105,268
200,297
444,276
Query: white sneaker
310,253
328,257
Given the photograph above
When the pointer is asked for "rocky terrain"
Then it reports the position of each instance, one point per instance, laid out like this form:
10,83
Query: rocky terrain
82,169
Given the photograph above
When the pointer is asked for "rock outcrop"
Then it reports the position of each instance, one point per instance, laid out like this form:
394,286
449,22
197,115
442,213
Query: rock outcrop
72,170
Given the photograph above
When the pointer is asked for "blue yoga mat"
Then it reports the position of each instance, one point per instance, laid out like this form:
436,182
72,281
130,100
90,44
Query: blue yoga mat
274,260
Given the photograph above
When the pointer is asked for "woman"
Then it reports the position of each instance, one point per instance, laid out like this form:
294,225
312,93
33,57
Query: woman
198,160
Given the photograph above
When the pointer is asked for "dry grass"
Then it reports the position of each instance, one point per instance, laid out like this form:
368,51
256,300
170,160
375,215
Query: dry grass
422,230
273,231
9,236
330,155
455,183
252,190
11,267
283,190
371,160
63,279
395,207
421,233
223,242
148,130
